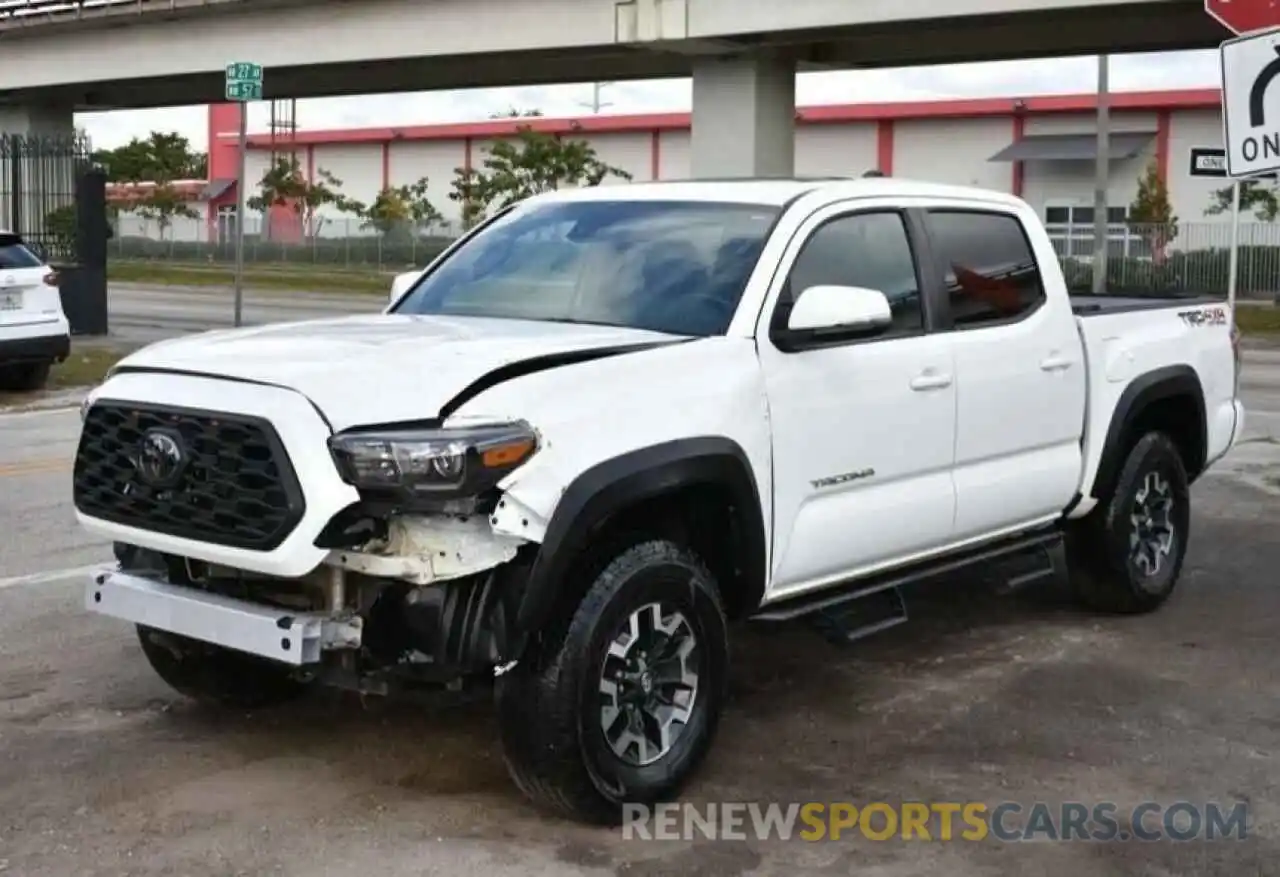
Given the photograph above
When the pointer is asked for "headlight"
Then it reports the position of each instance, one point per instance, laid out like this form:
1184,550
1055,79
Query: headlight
432,463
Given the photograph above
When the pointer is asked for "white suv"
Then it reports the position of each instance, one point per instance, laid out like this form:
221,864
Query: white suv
34,333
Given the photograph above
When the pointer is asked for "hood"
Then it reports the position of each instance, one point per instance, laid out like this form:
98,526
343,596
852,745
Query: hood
387,368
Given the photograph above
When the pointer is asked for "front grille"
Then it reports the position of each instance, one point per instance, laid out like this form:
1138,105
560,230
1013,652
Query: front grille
237,487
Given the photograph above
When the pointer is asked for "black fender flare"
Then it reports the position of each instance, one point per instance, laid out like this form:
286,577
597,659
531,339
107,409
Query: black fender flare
1142,392
612,486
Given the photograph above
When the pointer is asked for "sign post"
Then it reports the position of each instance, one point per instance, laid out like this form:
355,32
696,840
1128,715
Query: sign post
243,84
1208,161
1250,63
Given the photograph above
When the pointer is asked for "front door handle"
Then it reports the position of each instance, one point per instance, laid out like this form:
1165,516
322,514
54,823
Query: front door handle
930,380
1055,363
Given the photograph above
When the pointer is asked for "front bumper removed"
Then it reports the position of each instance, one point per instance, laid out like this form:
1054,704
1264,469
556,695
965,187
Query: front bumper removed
295,638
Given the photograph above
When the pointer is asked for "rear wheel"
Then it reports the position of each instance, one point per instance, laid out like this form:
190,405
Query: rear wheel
216,675
1127,555
620,704
24,377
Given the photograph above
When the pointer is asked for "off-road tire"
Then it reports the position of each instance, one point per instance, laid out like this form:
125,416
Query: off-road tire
1105,576
550,705
215,675
25,377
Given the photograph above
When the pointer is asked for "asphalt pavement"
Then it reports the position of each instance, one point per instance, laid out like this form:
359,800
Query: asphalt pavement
105,772
141,314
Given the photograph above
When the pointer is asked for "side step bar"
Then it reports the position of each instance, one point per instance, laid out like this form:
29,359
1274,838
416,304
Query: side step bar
849,623
1043,550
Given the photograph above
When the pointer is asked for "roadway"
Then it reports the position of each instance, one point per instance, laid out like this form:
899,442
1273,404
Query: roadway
142,314
104,771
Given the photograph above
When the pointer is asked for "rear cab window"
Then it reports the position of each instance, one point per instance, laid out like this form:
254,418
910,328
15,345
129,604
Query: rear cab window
988,268
14,254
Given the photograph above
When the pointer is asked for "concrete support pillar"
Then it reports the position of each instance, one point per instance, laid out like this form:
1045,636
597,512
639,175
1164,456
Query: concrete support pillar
42,120
744,113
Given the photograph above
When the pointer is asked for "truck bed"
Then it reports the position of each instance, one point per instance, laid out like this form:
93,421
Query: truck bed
1086,304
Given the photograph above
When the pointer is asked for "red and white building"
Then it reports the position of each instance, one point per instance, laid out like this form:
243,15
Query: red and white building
1042,148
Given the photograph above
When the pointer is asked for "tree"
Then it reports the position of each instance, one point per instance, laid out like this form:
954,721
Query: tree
1255,195
401,209
284,185
535,162
161,157
152,166
60,228
163,204
513,113
467,192
1152,213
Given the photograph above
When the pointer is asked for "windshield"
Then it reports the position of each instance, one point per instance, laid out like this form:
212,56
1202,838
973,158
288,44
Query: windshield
676,267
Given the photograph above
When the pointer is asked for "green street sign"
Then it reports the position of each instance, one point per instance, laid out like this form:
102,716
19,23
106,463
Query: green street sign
244,81
244,91
244,71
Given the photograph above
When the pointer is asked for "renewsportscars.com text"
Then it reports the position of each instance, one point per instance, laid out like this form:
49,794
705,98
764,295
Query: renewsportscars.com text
973,821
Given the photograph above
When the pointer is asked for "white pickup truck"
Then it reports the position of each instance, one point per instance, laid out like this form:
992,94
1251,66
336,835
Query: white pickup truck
609,420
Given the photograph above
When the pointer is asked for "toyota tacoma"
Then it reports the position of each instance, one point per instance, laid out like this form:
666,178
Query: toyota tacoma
607,422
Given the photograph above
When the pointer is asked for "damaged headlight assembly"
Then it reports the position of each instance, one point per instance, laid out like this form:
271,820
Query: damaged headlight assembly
410,465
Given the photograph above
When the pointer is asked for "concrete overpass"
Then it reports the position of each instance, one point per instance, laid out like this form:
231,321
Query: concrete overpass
742,56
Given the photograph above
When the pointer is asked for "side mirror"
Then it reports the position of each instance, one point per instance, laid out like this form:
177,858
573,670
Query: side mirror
823,311
401,283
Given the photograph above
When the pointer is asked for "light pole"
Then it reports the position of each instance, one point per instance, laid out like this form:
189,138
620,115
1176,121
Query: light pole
595,103
1102,179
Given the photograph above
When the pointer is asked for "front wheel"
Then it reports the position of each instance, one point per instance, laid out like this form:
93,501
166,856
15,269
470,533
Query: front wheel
620,705
216,675
1126,555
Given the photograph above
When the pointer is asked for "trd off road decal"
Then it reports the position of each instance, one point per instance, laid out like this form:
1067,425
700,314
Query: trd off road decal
1204,316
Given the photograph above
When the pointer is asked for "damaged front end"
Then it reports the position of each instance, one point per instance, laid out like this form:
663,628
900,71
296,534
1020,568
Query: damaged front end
440,573
421,583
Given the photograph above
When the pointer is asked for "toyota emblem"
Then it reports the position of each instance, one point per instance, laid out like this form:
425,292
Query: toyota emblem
161,458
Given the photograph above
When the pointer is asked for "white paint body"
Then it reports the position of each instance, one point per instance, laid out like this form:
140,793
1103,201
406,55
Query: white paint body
30,309
971,435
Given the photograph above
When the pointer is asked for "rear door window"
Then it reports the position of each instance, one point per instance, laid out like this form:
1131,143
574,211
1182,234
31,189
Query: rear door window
14,254
990,272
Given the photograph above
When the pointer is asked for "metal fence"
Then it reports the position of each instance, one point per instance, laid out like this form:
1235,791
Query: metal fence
1186,257
325,240
38,189
1189,256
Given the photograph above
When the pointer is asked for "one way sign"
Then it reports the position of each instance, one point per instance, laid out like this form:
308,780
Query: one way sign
1251,103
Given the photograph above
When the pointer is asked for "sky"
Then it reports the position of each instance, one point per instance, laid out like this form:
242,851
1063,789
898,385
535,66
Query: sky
1140,72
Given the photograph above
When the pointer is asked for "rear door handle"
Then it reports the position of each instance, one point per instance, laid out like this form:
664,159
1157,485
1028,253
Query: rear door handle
1055,363
930,380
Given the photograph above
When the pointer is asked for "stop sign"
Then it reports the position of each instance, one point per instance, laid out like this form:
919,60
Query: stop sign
1243,16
